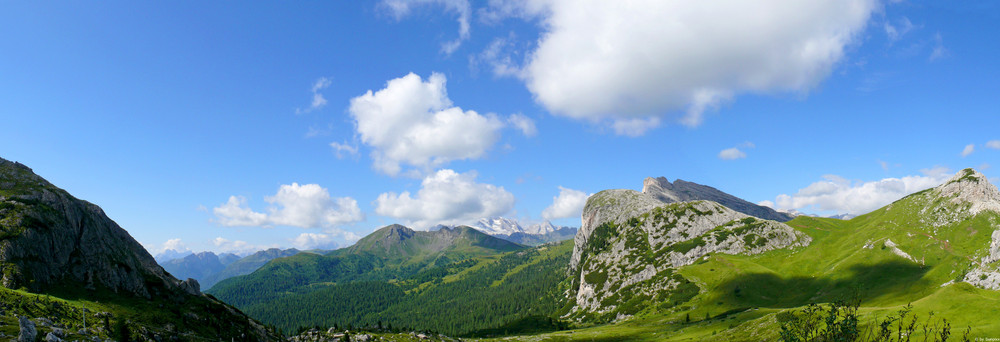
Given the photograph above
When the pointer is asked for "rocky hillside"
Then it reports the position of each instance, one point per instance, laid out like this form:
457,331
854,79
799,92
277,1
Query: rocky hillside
54,244
682,191
49,238
631,244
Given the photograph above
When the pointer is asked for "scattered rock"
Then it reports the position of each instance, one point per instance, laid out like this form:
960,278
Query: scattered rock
27,332
51,337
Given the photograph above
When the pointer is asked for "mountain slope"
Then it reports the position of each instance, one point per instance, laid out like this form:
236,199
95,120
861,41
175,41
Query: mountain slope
391,253
935,249
682,191
53,243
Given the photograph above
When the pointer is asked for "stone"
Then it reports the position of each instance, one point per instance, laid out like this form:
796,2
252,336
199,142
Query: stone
51,337
27,330
191,286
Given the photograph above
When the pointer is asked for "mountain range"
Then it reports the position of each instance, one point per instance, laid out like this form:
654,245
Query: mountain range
676,261
208,268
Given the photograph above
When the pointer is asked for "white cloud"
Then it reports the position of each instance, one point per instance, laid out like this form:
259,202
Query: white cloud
735,152
315,241
306,206
344,150
401,8
994,144
569,203
318,101
766,203
732,154
605,61
524,124
446,197
171,244
235,213
174,244
840,195
968,150
635,127
223,245
413,122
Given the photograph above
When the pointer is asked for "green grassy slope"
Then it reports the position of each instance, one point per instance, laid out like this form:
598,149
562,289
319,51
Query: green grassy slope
740,297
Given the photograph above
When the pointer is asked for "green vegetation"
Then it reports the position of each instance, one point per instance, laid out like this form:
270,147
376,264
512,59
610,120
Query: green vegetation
465,296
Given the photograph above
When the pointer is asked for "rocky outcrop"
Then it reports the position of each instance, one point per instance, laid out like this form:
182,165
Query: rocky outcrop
682,191
48,238
631,244
614,206
27,331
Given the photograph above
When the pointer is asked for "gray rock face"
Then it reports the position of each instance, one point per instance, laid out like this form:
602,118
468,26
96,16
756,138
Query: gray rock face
631,244
614,206
27,330
191,286
50,238
682,191
50,337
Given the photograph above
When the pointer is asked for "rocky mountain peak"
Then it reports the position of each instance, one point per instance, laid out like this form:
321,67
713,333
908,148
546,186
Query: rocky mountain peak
971,187
664,191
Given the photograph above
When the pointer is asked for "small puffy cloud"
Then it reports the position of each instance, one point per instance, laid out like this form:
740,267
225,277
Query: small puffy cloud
600,61
318,101
174,244
524,124
240,247
840,195
235,213
399,9
446,197
344,150
731,154
968,150
735,152
306,206
994,144
315,241
766,203
569,203
413,122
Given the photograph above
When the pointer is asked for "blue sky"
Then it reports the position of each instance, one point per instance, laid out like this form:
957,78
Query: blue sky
210,126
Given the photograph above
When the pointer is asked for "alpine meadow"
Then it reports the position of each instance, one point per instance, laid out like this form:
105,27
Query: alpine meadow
503,170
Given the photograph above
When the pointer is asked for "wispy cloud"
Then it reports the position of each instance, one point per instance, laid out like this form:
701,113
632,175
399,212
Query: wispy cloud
969,149
318,101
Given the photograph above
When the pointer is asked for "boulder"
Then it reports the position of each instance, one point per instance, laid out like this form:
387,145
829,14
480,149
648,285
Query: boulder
28,331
